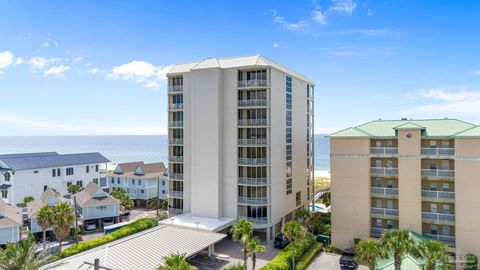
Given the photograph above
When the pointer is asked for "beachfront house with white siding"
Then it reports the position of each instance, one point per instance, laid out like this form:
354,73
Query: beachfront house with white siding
95,206
146,184
32,173
10,223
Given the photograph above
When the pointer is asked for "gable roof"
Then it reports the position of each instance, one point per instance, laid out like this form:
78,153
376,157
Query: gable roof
469,133
48,159
236,62
127,167
10,216
149,169
387,128
93,195
47,197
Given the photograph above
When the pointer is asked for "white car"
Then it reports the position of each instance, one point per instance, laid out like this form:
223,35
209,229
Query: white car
90,227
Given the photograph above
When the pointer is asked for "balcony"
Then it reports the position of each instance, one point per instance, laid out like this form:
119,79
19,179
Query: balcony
252,141
438,174
176,176
258,220
175,88
252,122
384,171
175,158
252,200
447,239
384,212
438,152
175,194
175,123
384,191
440,218
253,103
175,106
438,195
175,211
252,181
252,83
175,141
252,161
384,151
377,232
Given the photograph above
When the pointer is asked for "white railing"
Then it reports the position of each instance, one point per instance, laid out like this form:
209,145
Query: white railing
175,193
252,181
175,88
375,231
178,176
384,191
438,194
175,158
252,141
252,83
252,103
438,151
175,123
384,171
253,200
384,150
175,141
438,173
252,161
175,211
438,216
258,220
450,240
252,122
384,211
175,106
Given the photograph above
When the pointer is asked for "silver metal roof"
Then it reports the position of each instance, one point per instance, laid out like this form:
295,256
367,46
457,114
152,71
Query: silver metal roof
48,160
144,250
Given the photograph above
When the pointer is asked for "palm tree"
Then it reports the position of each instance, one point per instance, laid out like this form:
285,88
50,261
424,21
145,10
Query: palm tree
434,253
44,220
242,231
21,256
121,195
74,189
399,244
63,218
175,261
254,246
293,231
303,216
369,252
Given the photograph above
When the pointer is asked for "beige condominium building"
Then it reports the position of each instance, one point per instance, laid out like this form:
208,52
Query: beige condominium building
418,175
240,140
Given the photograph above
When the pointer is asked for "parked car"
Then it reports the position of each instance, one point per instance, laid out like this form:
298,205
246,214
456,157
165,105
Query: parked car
90,226
280,241
107,222
347,261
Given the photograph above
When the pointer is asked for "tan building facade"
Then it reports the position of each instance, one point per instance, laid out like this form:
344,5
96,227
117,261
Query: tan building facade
418,175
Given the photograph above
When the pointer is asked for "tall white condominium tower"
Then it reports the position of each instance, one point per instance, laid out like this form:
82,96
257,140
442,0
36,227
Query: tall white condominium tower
240,140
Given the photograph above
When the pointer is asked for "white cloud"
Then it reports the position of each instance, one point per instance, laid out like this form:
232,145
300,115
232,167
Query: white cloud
57,71
140,71
475,73
153,85
38,62
288,25
369,32
95,71
276,45
370,12
319,17
6,59
345,6
46,44
18,61
78,59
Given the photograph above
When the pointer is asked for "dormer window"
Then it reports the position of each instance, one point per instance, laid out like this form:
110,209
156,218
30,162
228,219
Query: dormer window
7,177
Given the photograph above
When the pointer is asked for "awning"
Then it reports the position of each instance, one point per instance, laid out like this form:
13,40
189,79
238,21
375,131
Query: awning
5,186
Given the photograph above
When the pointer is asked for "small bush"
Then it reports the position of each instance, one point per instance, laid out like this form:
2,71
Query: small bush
332,249
134,227
472,262
309,256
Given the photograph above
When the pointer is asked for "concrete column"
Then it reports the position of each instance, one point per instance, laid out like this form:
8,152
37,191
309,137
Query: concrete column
211,250
269,234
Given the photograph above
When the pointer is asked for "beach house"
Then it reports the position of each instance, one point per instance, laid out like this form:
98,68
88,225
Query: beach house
31,174
10,223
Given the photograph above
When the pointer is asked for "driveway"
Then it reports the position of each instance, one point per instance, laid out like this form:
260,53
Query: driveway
329,261
234,250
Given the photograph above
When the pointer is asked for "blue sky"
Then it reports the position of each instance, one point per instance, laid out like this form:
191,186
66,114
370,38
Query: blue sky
96,67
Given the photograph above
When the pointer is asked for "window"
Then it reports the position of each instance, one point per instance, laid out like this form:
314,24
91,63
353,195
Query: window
7,177
446,230
445,165
102,207
163,182
133,181
433,229
54,172
58,172
378,203
390,184
139,182
433,186
378,163
96,168
118,180
446,187
298,198
45,188
446,209
35,171
379,223
378,143
389,164
389,224
289,186
446,144
69,171
433,207
433,144
4,193
80,183
142,191
389,143
69,184
95,180
163,191
378,182
87,169
389,204
113,180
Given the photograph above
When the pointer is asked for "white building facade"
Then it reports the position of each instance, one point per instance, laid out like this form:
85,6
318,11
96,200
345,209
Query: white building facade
240,140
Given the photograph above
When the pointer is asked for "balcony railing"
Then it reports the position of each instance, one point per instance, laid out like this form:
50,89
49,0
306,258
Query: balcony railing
384,212
252,181
176,193
258,220
438,217
377,232
175,140
432,194
175,106
383,191
253,200
252,141
175,158
384,171
252,122
175,88
177,176
438,173
252,83
175,123
252,103
252,161
447,239
384,151
438,151
175,211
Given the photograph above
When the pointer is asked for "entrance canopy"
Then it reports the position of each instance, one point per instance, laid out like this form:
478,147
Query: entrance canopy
200,223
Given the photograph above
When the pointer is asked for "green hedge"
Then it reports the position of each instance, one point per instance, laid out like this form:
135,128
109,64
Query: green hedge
134,227
309,256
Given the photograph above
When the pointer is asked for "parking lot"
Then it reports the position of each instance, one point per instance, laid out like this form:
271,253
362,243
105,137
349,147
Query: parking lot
329,261
234,251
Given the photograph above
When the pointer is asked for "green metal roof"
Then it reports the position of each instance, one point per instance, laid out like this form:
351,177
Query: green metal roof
430,128
469,133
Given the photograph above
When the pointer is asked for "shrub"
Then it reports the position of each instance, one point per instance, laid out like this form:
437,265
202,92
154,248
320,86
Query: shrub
134,227
309,256
332,249
472,262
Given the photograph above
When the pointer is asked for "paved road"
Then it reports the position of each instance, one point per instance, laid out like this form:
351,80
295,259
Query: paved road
329,261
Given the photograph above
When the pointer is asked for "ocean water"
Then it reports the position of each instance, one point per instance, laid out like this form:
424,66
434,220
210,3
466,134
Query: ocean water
152,148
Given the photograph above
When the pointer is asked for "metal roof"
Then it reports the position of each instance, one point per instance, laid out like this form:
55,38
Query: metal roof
236,62
48,160
144,250
387,128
